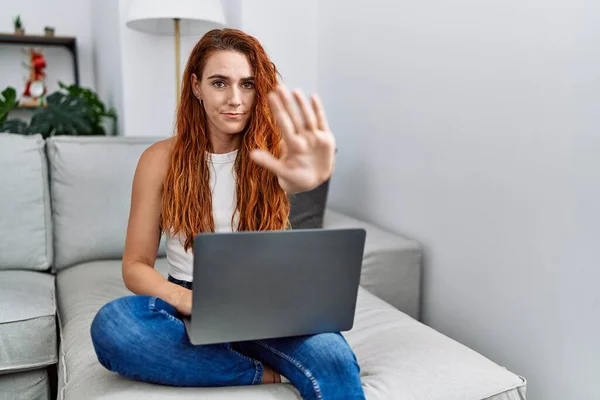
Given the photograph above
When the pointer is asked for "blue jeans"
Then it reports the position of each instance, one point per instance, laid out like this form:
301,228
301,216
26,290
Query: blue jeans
144,338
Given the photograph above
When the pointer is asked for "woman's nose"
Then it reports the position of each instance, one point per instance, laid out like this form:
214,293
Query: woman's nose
235,99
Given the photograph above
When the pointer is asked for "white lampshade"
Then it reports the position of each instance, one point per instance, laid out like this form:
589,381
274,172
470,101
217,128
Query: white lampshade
156,16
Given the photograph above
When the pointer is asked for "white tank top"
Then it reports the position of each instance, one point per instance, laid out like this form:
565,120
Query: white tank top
222,184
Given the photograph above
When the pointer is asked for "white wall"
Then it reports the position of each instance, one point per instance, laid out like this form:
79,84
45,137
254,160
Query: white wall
287,31
148,74
69,18
474,128
106,45
136,71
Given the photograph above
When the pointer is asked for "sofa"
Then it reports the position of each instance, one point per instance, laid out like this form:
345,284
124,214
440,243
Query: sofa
64,204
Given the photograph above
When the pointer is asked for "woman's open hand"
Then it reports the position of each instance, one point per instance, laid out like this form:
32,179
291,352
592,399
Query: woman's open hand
308,144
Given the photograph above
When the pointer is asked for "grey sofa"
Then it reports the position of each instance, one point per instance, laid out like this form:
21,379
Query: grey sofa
63,212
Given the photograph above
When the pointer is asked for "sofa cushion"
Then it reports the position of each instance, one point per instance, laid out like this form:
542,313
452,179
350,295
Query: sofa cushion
24,203
27,385
400,358
27,320
90,182
392,263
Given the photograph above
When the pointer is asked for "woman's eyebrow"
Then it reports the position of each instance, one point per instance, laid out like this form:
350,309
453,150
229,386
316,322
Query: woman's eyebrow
218,76
225,78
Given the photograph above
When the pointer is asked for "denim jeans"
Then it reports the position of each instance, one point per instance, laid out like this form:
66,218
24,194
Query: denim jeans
144,338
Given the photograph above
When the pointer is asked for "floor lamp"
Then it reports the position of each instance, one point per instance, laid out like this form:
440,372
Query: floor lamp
177,18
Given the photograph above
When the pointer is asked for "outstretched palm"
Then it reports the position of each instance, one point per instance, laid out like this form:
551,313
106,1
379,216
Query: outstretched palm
309,146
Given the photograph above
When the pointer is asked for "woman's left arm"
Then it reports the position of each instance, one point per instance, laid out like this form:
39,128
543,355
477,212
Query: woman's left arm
308,144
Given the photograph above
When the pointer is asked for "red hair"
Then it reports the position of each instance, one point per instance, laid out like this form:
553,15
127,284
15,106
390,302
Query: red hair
186,199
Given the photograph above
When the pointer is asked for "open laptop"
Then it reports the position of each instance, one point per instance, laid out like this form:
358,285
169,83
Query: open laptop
268,284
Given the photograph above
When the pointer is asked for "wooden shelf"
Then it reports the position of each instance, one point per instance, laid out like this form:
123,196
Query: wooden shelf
27,106
69,42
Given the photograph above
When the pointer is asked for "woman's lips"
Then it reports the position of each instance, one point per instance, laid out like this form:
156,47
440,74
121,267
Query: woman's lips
233,115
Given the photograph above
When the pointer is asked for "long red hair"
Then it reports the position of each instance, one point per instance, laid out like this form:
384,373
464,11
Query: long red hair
186,197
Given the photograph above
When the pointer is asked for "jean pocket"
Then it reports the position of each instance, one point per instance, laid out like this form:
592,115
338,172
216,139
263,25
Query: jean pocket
156,304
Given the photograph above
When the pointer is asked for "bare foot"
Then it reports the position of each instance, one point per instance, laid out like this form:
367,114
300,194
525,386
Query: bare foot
270,376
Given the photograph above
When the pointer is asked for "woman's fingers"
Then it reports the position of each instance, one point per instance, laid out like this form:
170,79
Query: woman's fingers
267,160
319,111
310,120
286,100
280,113
284,148
311,116
296,125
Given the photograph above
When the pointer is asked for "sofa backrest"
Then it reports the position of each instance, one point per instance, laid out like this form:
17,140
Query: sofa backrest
25,223
90,185
66,200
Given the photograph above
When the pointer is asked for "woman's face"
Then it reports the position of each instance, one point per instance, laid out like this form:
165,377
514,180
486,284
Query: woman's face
226,89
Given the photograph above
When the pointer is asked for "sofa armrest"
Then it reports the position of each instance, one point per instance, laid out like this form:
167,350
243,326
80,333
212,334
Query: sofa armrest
391,267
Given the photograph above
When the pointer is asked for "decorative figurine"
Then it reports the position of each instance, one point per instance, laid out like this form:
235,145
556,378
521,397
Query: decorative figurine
35,87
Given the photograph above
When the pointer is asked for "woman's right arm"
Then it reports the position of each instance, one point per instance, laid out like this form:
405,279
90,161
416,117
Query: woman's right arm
143,232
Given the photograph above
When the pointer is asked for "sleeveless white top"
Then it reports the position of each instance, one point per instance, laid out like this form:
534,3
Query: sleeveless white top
222,184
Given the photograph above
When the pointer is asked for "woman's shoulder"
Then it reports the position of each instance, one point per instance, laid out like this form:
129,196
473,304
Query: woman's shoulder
161,149
156,158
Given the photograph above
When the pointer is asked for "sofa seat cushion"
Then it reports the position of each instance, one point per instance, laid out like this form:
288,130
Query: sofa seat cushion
27,320
400,358
27,385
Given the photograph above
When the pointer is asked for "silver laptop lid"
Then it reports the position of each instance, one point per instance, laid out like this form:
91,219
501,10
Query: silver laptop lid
259,285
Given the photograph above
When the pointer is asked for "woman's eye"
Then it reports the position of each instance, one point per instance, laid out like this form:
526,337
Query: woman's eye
219,84
248,85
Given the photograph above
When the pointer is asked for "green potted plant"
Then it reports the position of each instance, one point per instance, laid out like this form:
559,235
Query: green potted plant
96,112
8,101
18,23
71,110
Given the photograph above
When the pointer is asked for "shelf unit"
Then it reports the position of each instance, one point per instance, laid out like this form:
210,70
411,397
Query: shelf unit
69,42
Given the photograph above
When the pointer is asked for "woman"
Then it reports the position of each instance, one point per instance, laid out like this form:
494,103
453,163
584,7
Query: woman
229,167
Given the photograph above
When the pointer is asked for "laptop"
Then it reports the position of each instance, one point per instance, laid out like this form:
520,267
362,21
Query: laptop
269,284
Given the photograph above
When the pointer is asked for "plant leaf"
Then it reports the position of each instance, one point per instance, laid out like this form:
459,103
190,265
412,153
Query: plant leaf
8,101
96,108
64,115
111,113
15,126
